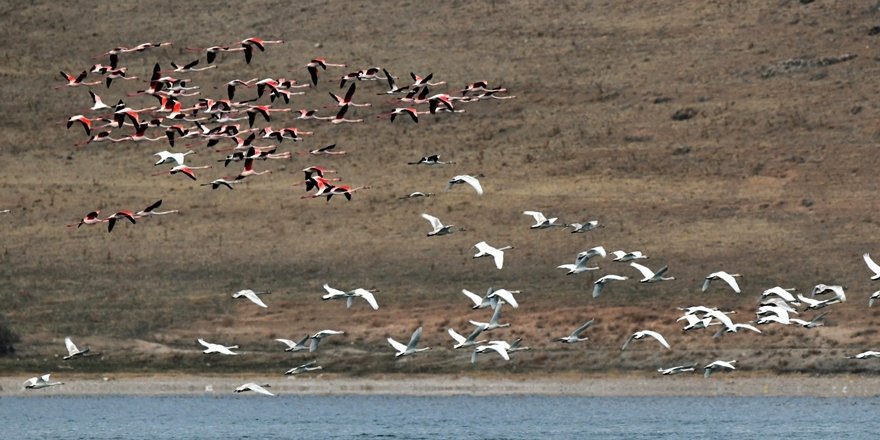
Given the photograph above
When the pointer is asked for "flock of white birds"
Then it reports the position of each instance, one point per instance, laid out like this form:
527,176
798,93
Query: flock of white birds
214,121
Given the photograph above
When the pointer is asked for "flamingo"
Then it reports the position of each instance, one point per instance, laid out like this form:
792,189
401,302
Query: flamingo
340,117
166,156
601,282
36,383
483,249
643,334
293,346
433,159
249,43
72,350
729,278
304,368
651,276
369,74
252,296
307,114
97,102
230,86
409,111
119,215
542,222
264,110
191,67
217,183
217,348
435,101
76,81
346,100
317,337
328,150
86,123
313,65
150,211
463,178
117,73
249,170
418,81
185,170
251,386
469,341
416,194
718,365
90,219
575,336
439,228
410,348
392,87
480,86
344,190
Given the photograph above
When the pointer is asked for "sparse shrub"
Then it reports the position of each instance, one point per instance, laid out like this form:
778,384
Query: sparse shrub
7,339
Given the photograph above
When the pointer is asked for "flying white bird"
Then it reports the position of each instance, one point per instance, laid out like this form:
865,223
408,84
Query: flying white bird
493,322
217,348
815,322
601,282
168,157
251,386
873,266
293,346
695,322
862,355
499,347
496,253
251,295
649,275
304,368
514,346
350,296
575,336
504,294
729,278
470,340
622,256
408,349
874,297
36,383
470,180
316,338
579,228
718,365
72,351
815,304
643,334
439,228
785,294
580,262
481,302
542,222
677,370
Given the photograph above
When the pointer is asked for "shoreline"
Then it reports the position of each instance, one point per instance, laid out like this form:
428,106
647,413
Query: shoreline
694,385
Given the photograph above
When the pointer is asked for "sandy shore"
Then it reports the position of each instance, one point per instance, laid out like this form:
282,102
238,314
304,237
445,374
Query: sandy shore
690,385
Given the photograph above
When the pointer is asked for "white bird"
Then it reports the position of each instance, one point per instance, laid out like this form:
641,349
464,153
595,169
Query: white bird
643,334
815,304
729,278
873,266
780,292
723,318
815,322
718,365
734,328
622,256
514,346
575,336
778,302
863,355
316,338
217,348
361,293
439,228
408,349
251,386
542,222
506,295
496,253
580,262
168,157
293,346
695,322
251,295
677,369
304,368
470,340
821,289
72,351
649,275
601,282
36,383
481,302
585,226
493,322
499,347
470,180
874,297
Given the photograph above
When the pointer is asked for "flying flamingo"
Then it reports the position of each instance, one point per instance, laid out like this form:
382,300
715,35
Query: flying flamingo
76,81
480,86
120,215
118,73
100,137
328,150
392,86
313,68
409,111
418,81
307,114
150,211
249,170
191,67
168,157
264,110
97,103
188,171
139,135
90,219
340,117
369,74
342,102
249,43
218,182
86,123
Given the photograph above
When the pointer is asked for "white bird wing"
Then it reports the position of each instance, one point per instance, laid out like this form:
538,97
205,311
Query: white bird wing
873,266
499,258
71,347
723,318
367,295
748,327
730,280
538,216
323,333
331,292
610,277
477,299
435,222
458,338
500,349
706,284
625,344
646,273
809,301
414,339
251,295
597,288
507,296
257,388
657,336
472,181
598,250
207,344
397,345
579,330
287,342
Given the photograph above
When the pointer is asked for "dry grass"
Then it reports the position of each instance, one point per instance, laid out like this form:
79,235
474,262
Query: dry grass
772,178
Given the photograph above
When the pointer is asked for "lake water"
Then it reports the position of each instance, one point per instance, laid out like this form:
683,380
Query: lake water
457,417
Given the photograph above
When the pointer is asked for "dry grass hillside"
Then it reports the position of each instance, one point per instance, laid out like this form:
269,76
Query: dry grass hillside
773,176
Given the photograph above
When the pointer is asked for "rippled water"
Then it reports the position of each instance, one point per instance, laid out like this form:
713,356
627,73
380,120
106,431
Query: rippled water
458,417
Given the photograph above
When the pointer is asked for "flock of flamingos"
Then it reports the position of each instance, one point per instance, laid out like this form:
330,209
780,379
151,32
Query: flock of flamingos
227,125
